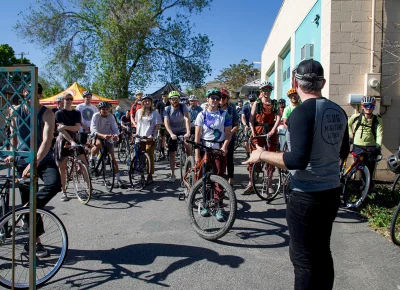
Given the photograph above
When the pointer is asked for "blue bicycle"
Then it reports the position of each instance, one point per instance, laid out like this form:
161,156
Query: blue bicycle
140,164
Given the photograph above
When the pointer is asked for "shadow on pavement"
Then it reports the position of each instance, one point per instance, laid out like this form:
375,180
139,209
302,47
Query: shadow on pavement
139,255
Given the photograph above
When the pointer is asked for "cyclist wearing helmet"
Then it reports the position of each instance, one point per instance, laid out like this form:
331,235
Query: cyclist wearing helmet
366,130
177,123
213,129
294,102
104,126
87,111
225,105
160,108
137,104
281,107
194,110
245,117
264,119
118,114
148,121
68,124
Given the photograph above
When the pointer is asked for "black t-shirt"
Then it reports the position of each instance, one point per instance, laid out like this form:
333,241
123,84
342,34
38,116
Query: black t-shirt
68,118
160,107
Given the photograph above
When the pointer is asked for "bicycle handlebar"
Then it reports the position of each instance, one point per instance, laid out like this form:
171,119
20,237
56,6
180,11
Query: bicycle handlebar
209,149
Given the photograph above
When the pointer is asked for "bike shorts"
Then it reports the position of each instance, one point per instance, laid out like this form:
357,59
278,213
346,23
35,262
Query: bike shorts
110,146
173,144
65,152
162,130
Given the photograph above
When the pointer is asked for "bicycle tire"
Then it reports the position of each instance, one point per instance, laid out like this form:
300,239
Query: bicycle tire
182,162
395,192
108,172
123,150
138,171
262,184
208,227
395,227
355,190
285,185
190,162
157,149
83,188
2,206
54,239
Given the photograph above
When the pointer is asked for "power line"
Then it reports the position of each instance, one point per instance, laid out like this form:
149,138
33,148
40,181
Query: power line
22,55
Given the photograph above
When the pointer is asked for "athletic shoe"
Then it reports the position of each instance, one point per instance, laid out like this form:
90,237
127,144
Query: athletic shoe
64,197
172,179
119,184
219,215
204,212
41,251
248,190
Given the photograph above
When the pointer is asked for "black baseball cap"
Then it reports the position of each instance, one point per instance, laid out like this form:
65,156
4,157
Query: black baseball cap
310,70
164,93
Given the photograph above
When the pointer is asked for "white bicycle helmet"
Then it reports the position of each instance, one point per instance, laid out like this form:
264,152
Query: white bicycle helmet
266,84
138,92
368,100
118,108
193,98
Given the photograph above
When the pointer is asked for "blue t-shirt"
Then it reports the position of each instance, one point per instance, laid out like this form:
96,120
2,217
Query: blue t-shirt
193,112
246,112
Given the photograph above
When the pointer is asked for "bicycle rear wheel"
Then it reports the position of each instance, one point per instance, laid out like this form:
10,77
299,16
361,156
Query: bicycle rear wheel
108,172
207,226
68,175
123,150
396,190
190,175
140,167
266,181
395,227
356,187
54,239
82,182
181,157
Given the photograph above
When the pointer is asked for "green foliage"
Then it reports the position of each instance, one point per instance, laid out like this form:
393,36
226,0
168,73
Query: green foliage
119,45
51,86
235,76
7,56
199,92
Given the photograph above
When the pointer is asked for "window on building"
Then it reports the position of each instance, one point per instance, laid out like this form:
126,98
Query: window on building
284,77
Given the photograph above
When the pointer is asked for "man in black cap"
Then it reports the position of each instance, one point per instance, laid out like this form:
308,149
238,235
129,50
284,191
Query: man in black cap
319,136
160,107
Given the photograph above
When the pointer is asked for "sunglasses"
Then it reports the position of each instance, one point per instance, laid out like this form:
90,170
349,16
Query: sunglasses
69,99
215,98
369,106
266,90
174,99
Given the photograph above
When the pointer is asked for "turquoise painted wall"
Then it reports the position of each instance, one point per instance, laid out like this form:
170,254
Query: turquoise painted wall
272,80
286,70
309,33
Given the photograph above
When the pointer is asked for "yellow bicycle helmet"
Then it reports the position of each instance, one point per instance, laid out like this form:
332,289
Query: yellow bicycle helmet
291,92
174,94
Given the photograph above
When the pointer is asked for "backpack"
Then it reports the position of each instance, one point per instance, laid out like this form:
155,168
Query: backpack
373,127
168,109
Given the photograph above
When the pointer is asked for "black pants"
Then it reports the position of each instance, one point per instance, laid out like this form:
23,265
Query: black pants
229,158
49,174
370,165
310,218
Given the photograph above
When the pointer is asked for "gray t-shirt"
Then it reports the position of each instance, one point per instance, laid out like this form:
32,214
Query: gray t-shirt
145,125
176,118
104,125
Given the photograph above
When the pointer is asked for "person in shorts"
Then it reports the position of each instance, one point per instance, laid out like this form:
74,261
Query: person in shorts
87,110
177,123
160,107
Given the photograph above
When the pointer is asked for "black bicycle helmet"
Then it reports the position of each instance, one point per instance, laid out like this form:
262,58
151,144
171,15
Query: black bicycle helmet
87,93
393,163
147,96
252,98
103,105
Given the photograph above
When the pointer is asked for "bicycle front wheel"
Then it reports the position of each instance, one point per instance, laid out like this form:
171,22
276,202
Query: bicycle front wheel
213,217
68,174
396,190
356,187
123,148
108,172
48,261
395,227
266,180
82,182
138,170
182,160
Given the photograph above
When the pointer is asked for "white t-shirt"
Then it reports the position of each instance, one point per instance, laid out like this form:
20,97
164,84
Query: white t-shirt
145,126
87,113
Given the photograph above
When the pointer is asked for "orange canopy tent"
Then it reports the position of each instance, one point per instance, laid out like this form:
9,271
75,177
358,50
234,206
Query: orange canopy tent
76,90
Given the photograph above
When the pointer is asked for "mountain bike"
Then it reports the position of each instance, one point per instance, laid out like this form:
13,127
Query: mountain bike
140,164
268,181
395,224
124,148
210,193
78,172
356,178
104,166
14,242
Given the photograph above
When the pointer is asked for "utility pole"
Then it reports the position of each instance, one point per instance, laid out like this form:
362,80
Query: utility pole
22,55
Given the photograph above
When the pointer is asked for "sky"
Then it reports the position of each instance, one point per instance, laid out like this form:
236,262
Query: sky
237,28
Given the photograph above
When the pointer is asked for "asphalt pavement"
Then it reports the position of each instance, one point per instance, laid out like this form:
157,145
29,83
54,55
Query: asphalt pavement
131,239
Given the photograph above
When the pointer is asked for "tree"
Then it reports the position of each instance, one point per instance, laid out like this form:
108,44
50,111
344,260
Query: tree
235,76
117,45
199,92
50,85
7,56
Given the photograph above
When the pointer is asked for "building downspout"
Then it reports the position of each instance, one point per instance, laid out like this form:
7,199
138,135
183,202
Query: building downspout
372,36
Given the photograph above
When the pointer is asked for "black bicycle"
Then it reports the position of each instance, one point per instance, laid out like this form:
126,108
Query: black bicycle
140,164
124,148
104,166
